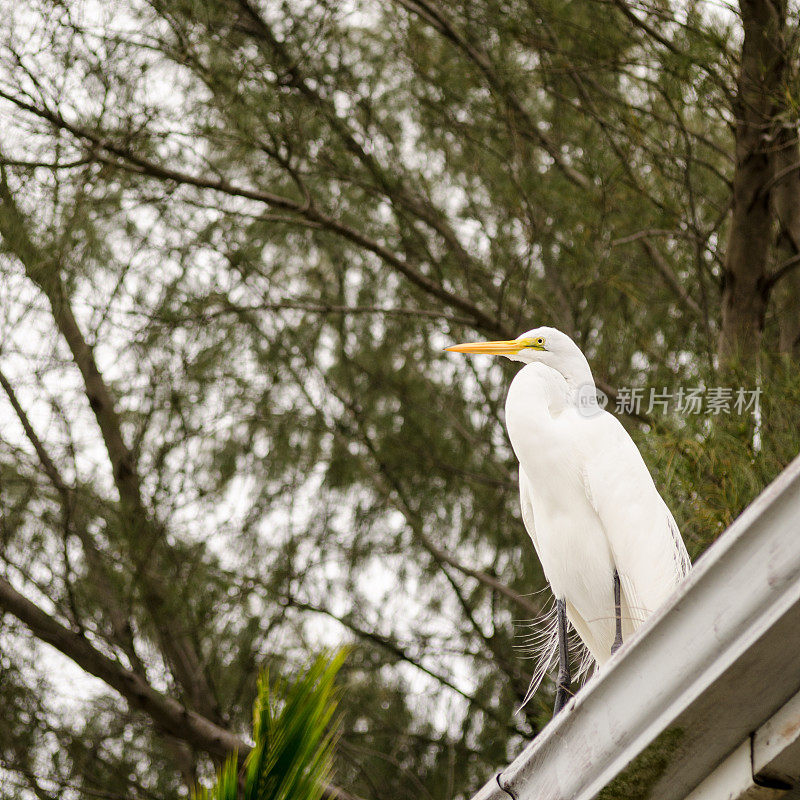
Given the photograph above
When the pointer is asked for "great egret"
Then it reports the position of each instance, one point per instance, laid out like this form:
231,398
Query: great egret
608,544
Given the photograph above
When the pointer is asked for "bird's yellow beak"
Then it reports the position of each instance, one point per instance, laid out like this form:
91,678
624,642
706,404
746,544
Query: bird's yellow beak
502,348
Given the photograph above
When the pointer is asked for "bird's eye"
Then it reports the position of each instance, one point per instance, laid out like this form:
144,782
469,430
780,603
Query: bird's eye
540,340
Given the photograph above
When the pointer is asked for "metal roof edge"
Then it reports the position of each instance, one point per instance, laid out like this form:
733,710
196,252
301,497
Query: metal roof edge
702,673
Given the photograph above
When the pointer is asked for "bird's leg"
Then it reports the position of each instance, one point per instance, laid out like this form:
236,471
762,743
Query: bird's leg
618,614
563,685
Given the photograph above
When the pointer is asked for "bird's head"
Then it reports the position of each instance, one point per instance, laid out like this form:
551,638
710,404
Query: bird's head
541,345
546,345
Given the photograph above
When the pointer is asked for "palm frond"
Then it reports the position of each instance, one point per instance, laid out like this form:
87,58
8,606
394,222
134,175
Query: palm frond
295,733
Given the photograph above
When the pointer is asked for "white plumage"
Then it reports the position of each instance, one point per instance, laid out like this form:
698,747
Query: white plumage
588,500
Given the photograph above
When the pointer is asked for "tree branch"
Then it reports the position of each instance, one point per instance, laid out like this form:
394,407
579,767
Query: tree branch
183,657
530,130
783,270
168,714
401,655
394,187
479,319
120,622
127,160
670,278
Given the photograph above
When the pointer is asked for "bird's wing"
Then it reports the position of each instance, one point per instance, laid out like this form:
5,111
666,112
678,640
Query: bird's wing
541,637
526,504
647,548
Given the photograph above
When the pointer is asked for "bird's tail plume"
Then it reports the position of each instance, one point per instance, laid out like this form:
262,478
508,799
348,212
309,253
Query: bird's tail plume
539,642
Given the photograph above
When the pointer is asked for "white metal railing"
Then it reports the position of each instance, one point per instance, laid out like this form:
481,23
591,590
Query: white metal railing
697,680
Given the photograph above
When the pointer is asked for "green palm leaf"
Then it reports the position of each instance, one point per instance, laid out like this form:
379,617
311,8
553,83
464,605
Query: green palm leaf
295,734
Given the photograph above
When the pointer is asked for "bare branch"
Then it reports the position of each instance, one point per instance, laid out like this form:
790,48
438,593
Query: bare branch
650,233
779,176
184,659
48,465
529,128
643,25
132,162
168,714
328,308
120,622
783,270
394,186
51,165
670,278
402,655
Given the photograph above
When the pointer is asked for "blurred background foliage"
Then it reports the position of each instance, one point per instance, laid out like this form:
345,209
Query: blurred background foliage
236,236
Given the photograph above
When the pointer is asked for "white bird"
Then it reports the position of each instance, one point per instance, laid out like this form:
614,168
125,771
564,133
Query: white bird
607,542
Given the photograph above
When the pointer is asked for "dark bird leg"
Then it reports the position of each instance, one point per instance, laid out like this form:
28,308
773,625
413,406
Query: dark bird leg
563,686
618,613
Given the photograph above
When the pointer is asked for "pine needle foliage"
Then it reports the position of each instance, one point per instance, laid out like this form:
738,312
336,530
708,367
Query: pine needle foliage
236,236
295,732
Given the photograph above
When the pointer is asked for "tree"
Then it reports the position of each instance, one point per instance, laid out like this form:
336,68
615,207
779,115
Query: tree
766,201
236,237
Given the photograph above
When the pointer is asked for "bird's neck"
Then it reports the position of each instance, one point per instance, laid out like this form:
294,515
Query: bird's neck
581,390
576,372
